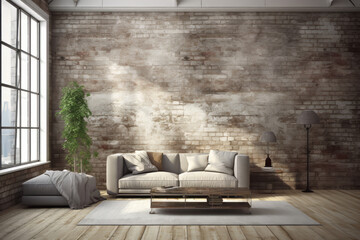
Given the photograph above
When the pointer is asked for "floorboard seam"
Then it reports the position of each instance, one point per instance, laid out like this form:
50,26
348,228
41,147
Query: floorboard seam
112,233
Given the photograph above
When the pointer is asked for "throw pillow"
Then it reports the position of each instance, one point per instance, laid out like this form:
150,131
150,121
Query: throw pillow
156,159
143,155
197,162
221,161
138,163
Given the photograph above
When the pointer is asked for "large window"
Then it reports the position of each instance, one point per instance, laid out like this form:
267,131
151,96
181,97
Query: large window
20,85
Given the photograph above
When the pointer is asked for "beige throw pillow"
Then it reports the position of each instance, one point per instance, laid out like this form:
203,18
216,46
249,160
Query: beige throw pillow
156,159
138,162
221,161
197,162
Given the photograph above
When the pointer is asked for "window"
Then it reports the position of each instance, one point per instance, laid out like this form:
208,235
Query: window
20,86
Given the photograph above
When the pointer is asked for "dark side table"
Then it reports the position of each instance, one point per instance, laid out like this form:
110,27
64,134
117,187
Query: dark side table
267,172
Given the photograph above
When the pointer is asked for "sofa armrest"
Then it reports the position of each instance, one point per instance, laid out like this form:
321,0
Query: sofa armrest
114,171
242,170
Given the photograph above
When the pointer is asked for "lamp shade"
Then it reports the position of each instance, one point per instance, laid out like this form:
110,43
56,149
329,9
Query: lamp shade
308,117
268,136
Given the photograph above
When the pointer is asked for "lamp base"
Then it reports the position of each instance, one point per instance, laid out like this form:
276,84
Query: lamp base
307,190
268,161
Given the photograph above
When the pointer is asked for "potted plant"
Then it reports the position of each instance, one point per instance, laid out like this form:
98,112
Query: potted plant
74,110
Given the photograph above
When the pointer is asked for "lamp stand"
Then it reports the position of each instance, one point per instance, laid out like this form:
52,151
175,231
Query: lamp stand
267,160
307,160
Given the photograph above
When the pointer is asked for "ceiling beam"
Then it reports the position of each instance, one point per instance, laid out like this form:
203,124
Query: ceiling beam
207,5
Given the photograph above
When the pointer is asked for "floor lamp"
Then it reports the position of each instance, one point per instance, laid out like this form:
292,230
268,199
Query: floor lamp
307,118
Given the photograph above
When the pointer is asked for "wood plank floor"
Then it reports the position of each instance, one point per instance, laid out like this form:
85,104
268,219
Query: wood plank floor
338,211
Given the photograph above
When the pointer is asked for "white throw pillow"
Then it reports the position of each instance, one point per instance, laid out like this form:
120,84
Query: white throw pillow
197,162
144,156
138,162
221,161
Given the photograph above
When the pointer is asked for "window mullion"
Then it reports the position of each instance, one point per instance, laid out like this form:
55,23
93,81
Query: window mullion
17,65
12,87
38,90
15,49
29,87
8,45
1,80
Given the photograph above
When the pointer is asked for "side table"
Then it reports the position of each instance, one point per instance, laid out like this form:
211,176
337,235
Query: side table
267,170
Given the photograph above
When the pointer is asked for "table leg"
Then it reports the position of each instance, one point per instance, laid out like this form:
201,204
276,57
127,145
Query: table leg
151,209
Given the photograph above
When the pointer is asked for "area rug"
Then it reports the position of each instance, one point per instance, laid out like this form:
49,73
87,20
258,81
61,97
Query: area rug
136,212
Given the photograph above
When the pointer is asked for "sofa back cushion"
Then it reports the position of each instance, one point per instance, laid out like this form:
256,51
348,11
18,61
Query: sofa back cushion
171,162
197,163
184,161
221,161
138,162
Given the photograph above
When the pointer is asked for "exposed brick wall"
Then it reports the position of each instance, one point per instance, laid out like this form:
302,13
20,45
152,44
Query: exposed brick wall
191,82
10,184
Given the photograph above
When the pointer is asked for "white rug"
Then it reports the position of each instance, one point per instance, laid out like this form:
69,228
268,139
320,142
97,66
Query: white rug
136,212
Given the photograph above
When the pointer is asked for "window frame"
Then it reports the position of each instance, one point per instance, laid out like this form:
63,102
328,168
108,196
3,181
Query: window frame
19,54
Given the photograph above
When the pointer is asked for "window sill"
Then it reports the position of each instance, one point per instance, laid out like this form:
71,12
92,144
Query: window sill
20,168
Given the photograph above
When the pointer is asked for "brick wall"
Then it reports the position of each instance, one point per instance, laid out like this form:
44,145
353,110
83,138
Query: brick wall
10,184
191,82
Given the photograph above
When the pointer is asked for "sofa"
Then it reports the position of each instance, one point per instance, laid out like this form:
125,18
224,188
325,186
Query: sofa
120,181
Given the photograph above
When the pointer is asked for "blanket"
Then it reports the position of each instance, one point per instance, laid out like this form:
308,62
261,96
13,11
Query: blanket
78,189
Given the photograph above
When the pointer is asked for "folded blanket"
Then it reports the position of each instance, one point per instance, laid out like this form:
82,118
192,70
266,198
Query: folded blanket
78,189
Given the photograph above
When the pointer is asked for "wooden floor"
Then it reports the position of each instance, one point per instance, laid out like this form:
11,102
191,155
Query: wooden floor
337,211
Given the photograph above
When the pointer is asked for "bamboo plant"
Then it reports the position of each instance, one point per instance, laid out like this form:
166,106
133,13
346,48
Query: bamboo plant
74,110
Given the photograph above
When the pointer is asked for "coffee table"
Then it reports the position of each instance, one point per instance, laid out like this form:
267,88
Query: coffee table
200,198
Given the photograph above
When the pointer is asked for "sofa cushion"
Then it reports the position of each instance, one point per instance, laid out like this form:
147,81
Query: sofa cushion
221,161
171,162
156,159
184,161
138,162
149,180
40,186
206,179
197,162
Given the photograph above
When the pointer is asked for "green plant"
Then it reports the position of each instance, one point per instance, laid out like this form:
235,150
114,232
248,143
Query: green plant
74,110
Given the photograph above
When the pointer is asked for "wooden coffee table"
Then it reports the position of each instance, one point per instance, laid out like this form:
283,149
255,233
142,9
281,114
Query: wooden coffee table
200,198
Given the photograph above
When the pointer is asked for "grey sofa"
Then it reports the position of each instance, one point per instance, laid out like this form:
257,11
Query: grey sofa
119,181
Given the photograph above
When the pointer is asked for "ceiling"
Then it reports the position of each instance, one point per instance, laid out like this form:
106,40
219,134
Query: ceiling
206,5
